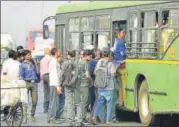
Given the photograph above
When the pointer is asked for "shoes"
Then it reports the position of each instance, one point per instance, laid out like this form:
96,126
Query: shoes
24,122
120,106
33,119
94,121
61,119
78,124
53,121
109,123
115,121
25,119
85,121
102,122
71,124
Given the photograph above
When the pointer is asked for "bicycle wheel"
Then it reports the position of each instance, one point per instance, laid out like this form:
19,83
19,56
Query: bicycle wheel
15,115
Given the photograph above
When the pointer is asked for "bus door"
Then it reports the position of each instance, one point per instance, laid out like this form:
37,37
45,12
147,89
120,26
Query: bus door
60,38
117,26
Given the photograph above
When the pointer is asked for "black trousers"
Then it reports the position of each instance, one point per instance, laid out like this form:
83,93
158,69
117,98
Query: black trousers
46,92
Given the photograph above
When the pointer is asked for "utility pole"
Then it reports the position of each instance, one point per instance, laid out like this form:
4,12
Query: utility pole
42,12
27,23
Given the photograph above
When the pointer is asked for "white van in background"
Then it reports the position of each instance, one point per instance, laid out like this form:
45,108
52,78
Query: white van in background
7,43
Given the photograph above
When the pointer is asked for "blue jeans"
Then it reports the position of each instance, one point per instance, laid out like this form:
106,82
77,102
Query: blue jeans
105,97
102,113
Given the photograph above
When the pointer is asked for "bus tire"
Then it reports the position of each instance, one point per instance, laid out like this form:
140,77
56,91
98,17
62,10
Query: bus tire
146,116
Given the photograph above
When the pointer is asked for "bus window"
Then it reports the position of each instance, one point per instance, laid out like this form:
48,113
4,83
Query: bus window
87,39
87,23
74,24
73,41
73,36
103,39
149,35
173,18
103,22
170,19
165,15
133,24
87,27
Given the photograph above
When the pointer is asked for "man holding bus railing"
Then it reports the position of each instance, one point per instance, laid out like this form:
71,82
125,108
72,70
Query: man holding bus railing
119,50
119,47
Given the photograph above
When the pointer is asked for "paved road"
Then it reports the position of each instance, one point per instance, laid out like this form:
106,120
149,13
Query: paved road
42,118
129,119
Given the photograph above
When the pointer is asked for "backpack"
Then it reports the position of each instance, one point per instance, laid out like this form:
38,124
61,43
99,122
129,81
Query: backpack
101,76
71,74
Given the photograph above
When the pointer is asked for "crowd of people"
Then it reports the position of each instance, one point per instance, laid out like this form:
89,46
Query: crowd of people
84,82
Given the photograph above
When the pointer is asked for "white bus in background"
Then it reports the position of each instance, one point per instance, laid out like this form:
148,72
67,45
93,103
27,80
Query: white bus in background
40,45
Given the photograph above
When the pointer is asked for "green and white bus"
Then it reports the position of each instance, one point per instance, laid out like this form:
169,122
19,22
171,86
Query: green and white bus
150,77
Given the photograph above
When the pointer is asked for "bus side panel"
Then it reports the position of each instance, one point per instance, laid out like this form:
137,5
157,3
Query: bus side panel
173,51
130,94
161,78
166,80
171,81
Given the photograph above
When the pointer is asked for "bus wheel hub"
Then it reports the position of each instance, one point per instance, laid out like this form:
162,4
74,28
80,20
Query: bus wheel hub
145,106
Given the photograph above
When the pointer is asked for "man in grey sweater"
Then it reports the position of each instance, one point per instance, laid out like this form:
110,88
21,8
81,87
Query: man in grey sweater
72,91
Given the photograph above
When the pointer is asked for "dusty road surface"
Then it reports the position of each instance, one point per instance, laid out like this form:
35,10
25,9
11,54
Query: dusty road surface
128,118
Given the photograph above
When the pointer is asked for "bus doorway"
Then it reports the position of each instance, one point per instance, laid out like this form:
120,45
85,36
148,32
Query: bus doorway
116,27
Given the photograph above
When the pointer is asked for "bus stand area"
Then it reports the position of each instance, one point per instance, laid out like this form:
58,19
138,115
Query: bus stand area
152,36
148,86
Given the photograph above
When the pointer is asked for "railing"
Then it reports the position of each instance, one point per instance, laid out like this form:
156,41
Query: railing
141,50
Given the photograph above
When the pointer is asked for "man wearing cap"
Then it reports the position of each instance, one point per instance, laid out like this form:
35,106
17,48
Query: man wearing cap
91,65
91,48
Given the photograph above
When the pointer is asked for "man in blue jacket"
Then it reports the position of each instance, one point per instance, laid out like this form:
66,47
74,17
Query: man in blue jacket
119,48
92,64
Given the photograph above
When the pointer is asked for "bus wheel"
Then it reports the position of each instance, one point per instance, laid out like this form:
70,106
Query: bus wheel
145,114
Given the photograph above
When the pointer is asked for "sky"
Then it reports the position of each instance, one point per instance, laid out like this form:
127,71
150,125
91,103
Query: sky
17,17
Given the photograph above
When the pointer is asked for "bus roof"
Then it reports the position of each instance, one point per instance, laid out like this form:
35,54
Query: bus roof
95,5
